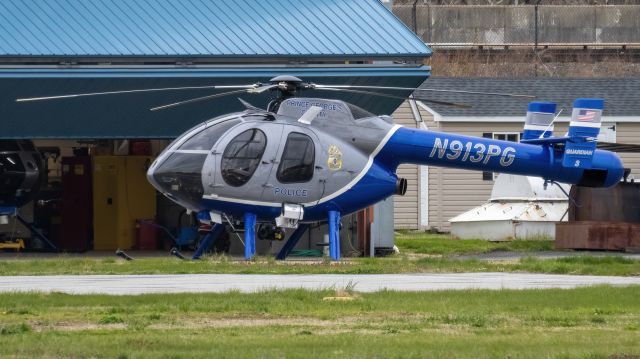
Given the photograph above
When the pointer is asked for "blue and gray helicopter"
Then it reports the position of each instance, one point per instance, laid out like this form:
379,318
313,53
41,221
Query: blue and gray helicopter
305,160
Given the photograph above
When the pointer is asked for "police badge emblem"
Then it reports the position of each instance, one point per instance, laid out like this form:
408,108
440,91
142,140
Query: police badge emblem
335,158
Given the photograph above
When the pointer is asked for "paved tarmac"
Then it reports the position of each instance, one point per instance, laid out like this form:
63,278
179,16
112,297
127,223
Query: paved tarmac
219,283
492,256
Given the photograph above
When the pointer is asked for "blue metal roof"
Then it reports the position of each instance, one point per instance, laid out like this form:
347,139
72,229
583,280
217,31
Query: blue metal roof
128,115
204,28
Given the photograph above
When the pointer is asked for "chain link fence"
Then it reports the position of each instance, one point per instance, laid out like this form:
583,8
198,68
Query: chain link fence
524,25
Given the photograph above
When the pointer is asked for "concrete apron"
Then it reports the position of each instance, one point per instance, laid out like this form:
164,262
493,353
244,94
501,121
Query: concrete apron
220,283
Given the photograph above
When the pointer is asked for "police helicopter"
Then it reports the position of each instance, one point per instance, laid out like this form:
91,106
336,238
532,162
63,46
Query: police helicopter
304,160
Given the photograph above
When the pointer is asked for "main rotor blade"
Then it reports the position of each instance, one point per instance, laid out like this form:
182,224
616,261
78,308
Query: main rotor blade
136,91
261,89
360,92
197,99
619,147
461,105
445,103
422,89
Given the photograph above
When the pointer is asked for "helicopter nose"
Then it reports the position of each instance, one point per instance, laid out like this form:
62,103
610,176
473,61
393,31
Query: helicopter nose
179,176
151,173
157,177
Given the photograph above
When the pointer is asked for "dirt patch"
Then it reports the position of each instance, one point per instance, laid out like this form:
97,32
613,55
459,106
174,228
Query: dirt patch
72,327
198,324
244,322
415,256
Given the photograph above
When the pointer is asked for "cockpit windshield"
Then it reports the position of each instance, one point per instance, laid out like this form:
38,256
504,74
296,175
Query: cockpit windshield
180,173
202,126
207,137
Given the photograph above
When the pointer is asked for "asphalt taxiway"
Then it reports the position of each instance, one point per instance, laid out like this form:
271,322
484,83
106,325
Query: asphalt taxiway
219,283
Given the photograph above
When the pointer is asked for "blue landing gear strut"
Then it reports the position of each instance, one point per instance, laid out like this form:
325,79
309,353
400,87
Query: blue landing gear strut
13,211
208,240
249,235
292,241
334,235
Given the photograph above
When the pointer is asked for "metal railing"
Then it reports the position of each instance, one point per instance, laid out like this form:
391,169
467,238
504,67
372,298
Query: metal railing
524,25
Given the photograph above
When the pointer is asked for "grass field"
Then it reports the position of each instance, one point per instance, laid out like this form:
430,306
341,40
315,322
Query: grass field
396,264
597,322
419,253
442,244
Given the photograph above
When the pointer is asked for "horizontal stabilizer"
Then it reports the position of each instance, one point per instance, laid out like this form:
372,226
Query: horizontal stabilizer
554,140
546,141
607,146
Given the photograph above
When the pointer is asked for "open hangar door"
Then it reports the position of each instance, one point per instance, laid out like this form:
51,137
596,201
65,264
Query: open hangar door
84,187
95,196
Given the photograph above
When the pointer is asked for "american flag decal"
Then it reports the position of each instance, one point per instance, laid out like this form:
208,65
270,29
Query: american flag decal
586,115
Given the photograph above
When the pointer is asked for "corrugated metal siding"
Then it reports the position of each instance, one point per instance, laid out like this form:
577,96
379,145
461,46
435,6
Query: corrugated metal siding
128,116
406,213
629,133
246,28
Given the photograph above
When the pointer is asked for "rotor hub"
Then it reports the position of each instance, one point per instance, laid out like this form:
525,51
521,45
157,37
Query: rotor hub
287,84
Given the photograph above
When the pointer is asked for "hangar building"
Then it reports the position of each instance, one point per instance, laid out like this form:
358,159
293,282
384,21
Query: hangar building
75,46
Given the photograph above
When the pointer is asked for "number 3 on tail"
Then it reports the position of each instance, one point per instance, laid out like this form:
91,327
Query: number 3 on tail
577,164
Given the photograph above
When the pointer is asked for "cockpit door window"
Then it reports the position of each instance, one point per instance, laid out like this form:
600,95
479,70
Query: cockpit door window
298,159
242,156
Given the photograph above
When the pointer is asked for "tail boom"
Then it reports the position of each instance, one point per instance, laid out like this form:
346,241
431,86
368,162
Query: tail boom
473,153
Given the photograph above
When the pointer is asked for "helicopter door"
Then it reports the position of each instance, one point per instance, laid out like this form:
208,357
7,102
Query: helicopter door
295,175
242,161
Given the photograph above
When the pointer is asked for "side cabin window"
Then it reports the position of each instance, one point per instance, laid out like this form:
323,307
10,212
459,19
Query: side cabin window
242,157
298,159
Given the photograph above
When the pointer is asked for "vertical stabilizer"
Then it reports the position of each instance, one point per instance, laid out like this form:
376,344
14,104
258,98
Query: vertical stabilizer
583,130
539,121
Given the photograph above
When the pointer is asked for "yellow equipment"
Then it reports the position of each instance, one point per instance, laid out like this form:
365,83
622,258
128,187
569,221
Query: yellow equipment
121,195
17,245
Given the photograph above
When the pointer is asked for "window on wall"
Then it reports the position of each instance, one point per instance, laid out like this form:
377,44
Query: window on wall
242,157
298,159
506,136
503,136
